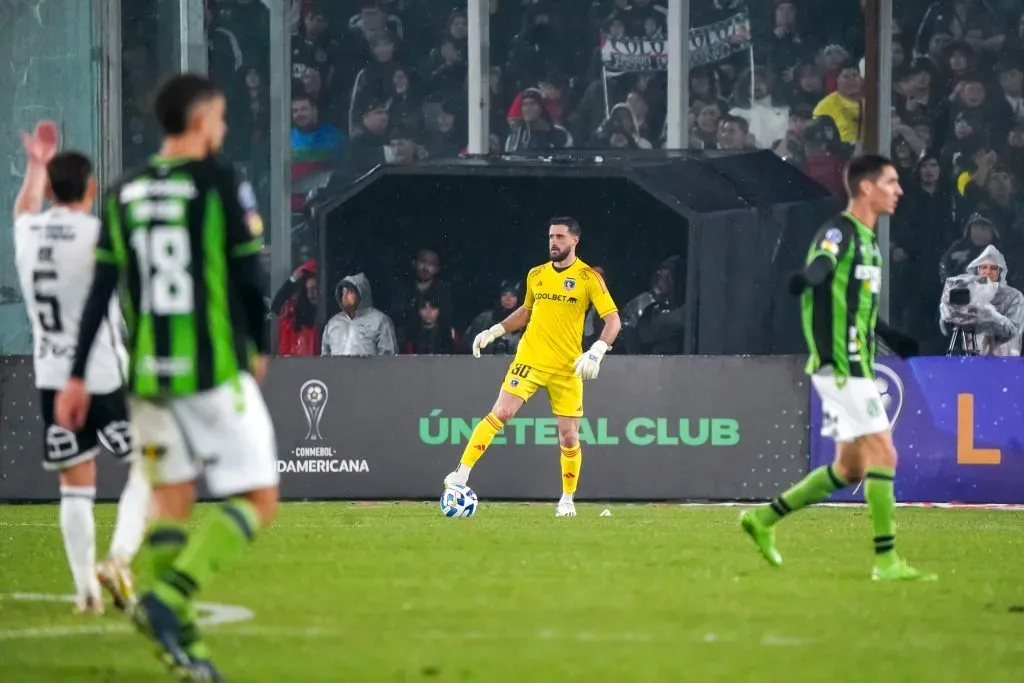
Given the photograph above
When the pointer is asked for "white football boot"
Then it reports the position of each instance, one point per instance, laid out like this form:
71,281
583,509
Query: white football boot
460,477
116,577
566,507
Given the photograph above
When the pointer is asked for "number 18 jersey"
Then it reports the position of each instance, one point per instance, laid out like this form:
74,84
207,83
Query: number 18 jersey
53,252
172,229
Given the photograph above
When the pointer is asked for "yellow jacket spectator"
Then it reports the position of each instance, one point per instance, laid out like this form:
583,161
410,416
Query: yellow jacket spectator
843,106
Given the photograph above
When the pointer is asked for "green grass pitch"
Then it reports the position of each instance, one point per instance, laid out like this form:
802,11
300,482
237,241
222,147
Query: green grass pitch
396,592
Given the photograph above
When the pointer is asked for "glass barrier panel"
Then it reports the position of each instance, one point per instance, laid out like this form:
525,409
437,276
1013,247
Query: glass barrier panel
47,49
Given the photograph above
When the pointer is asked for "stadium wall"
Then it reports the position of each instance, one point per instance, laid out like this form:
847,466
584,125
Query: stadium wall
657,428
391,428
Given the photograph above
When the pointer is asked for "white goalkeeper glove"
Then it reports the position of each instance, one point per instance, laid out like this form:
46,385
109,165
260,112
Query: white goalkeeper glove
589,363
486,338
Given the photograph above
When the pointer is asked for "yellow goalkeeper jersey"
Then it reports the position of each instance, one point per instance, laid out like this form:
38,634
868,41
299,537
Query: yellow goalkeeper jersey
558,299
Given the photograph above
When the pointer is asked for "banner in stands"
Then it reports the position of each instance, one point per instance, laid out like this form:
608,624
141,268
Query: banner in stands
957,427
657,428
708,44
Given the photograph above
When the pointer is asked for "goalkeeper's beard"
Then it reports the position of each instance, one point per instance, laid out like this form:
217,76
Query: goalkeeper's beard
557,256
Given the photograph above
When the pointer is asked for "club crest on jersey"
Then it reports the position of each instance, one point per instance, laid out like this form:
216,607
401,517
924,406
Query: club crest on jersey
569,284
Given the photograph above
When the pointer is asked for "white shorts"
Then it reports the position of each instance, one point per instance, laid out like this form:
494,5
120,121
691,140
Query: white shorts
226,433
852,410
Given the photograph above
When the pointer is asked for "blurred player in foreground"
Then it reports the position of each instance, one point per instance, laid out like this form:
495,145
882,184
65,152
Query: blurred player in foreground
54,256
558,295
839,290
183,238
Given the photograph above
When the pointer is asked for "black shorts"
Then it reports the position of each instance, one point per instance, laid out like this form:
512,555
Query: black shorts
106,428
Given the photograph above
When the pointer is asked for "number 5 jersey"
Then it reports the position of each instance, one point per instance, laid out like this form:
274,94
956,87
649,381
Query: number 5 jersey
53,253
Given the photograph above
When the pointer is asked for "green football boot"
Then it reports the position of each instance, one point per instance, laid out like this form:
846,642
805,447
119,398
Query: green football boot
762,535
897,569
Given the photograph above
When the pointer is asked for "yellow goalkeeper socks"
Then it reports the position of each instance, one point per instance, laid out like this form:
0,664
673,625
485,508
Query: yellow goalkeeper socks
483,435
572,461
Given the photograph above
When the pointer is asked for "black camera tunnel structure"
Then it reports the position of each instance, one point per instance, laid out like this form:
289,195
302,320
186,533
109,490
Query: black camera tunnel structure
740,222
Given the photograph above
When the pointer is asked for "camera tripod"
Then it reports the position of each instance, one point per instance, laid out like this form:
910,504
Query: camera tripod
968,344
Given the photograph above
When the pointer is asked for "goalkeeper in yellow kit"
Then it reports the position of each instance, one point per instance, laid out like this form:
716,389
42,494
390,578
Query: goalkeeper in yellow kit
558,296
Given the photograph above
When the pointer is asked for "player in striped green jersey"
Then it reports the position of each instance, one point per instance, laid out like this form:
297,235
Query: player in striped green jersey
182,238
839,290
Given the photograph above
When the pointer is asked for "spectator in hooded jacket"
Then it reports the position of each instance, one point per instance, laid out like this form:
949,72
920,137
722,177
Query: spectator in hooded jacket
358,329
295,308
536,130
552,88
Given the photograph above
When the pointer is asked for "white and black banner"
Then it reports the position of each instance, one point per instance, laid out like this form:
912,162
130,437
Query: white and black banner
708,44
715,42
625,55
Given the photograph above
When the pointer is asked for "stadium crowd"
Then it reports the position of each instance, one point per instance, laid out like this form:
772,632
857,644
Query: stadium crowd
384,82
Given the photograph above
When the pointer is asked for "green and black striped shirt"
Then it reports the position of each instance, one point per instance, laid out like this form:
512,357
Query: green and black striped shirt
839,316
185,236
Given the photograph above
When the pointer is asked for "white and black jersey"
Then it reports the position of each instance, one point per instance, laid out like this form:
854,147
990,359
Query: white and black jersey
54,254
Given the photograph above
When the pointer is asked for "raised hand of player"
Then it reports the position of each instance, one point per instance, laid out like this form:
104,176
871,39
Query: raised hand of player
486,338
72,405
41,145
588,365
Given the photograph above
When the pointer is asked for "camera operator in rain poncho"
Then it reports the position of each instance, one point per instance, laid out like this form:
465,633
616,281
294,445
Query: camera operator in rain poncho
980,302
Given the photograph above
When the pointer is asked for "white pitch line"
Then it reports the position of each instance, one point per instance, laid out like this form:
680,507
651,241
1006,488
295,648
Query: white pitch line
42,525
543,634
210,615
232,628
62,631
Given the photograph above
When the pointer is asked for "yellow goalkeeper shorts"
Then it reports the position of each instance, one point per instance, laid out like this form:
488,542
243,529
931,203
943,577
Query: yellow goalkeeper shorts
565,391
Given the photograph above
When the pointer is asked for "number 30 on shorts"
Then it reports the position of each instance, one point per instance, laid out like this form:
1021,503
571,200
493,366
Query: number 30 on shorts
521,371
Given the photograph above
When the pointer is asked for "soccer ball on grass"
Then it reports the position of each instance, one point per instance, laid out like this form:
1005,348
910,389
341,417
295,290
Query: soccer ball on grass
458,501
